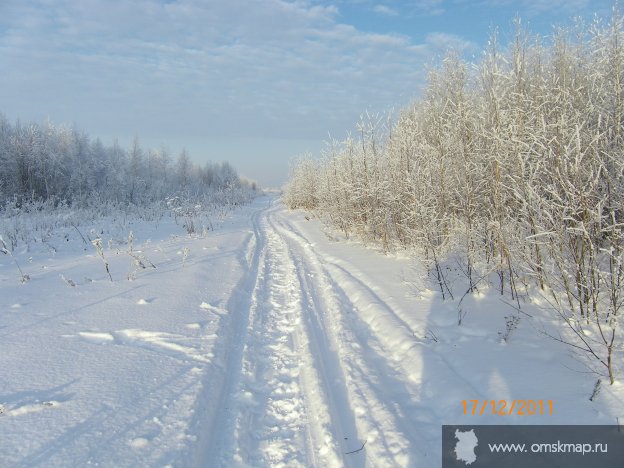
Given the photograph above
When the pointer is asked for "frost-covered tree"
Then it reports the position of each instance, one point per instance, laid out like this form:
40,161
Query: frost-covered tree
60,164
514,165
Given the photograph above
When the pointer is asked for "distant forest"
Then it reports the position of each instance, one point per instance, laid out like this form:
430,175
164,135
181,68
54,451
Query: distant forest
44,162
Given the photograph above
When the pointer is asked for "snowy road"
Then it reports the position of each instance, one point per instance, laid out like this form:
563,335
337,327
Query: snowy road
266,342
314,375
306,381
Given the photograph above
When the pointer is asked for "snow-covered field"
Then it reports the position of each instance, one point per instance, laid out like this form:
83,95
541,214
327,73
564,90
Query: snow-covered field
266,342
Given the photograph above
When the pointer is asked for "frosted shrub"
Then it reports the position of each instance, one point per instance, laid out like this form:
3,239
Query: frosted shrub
97,243
139,260
3,249
185,254
514,164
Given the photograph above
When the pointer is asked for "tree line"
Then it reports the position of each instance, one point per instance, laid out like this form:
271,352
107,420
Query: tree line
44,162
514,165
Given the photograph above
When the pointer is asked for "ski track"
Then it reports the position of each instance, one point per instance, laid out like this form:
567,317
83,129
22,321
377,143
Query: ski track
308,374
213,416
389,431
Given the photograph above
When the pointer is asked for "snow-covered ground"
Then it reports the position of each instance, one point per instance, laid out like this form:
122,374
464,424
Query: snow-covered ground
266,342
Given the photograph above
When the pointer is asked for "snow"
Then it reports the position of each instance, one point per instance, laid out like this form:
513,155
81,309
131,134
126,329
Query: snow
266,342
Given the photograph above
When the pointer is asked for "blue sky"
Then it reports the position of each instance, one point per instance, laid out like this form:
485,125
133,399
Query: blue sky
255,82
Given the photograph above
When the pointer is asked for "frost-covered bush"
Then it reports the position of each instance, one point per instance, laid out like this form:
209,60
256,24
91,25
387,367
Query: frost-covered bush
515,163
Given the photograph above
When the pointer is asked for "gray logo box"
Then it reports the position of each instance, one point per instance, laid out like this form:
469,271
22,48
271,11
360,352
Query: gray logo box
518,446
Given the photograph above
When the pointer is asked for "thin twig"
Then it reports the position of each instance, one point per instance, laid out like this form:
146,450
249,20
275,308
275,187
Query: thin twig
78,230
358,450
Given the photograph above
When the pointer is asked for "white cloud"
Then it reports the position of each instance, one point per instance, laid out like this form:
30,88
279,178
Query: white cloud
391,8
417,7
443,41
236,66
385,10
537,7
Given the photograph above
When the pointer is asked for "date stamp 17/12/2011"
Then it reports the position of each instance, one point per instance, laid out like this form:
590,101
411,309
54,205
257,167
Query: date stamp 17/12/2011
508,407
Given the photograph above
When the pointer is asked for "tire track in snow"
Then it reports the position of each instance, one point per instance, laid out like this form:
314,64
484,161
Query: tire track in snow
289,407
391,436
307,374
270,402
384,362
376,312
270,416
214,416
323,362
